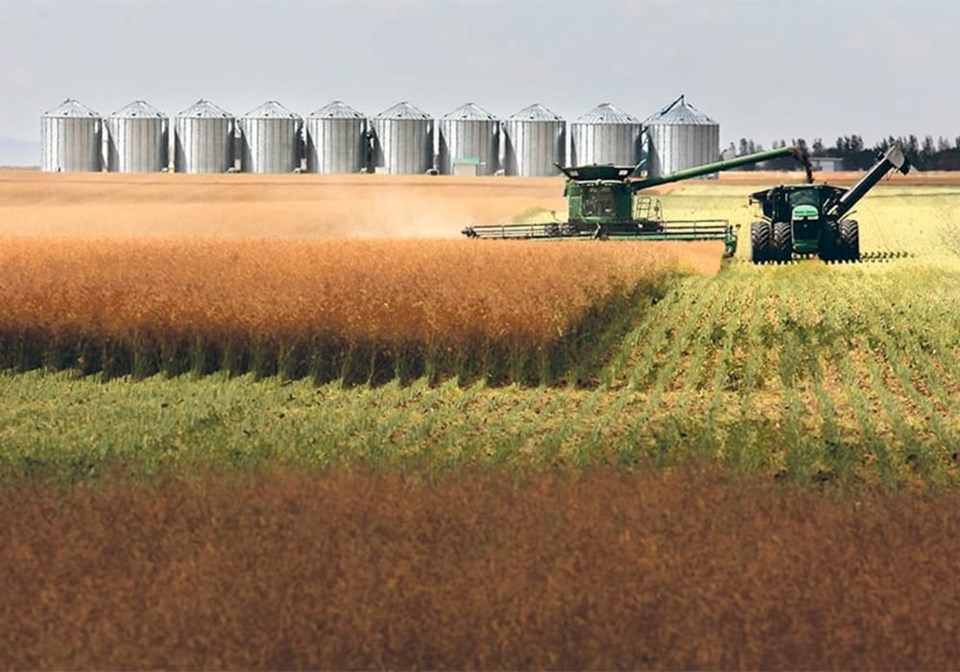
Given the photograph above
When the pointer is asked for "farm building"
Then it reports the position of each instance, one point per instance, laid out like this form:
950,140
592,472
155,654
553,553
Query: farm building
204,139
336,139
534,139
138,139
271,137
71,139
680,136
469,142
605,134
403,140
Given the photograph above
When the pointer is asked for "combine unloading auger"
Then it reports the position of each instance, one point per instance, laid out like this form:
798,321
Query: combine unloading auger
602,203
809,219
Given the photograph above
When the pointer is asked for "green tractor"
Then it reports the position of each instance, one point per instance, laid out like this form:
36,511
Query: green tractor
602,203
810,219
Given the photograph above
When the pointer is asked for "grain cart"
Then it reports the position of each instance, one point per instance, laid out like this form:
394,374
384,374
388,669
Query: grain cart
602,203
809,219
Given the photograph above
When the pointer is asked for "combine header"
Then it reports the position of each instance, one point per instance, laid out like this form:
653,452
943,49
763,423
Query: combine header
602,203
808,219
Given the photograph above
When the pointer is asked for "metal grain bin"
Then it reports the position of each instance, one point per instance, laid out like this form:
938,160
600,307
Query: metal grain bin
137,139
336,137
469,142
403,140
71,139
605,134
271,139
204,139
534,138
679,136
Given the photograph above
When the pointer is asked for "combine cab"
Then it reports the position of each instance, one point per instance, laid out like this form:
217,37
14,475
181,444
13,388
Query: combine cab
602,203
809,219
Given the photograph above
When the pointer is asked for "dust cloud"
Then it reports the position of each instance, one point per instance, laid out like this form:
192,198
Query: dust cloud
262,206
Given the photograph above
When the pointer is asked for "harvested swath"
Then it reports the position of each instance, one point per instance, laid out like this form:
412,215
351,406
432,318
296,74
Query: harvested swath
320,306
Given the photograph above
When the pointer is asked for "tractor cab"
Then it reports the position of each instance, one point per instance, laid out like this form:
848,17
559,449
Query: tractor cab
598,194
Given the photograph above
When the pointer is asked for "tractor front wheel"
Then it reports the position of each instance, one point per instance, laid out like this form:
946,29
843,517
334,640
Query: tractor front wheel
850,240
760,238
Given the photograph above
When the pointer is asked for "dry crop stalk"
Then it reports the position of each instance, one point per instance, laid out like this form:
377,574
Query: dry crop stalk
267,305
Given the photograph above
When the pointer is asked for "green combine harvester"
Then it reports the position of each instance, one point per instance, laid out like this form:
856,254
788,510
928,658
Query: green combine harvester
810,219
602,203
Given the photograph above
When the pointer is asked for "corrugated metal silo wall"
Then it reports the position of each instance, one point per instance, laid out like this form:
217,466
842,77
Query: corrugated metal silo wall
137,145
271,145
618,144
336,145
403,146
674,147
531,147
203,144
470,139
71,144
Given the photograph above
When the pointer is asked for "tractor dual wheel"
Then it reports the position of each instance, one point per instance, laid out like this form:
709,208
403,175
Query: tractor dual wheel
829,249
850,240
761,235
782,242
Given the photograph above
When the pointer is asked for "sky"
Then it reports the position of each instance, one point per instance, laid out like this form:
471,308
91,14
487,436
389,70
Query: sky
764,70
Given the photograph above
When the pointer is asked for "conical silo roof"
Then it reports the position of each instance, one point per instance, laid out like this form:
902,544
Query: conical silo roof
679,112
606,113
403,110
204,109
71,108
271,110
470,112
337,110
535,112
138,109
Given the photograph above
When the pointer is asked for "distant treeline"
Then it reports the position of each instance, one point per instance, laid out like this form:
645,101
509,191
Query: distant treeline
926,154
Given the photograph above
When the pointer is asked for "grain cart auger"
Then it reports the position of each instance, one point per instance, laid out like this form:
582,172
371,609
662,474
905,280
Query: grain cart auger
602,204
810,219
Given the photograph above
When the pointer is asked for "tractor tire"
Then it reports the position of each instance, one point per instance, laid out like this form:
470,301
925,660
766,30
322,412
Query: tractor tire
782,242
760,239
829,249
850,240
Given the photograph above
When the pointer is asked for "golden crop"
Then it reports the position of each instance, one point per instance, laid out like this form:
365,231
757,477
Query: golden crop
250,299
